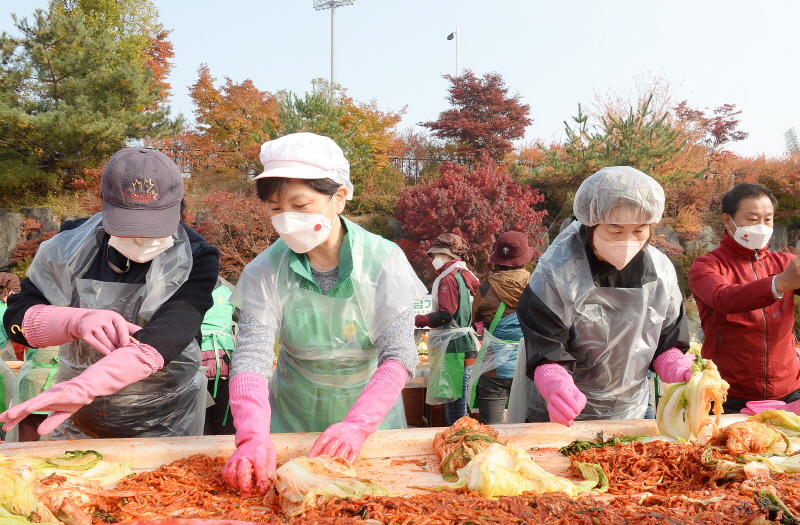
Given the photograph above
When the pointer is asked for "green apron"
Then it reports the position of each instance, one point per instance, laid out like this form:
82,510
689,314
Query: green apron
6,384
37,374
485,361
217,333
326,356
447,347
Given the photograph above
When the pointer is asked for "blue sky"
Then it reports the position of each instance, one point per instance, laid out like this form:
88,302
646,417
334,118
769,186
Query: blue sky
554,53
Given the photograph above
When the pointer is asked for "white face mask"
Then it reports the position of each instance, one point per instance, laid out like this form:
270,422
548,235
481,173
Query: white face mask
754,237
140,249
617,253
437,263
303,232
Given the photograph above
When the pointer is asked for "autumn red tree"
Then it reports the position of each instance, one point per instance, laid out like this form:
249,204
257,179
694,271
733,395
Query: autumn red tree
714,131
478,204
484,117
230,121
239,226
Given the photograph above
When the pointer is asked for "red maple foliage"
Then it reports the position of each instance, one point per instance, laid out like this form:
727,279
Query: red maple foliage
484,118
239,226
478,204
717,130
28,244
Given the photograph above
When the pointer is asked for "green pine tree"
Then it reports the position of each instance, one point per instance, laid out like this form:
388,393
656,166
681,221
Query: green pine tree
67,101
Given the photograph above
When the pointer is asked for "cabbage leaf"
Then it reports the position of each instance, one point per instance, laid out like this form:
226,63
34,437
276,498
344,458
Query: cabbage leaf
77,466
788,422
306,482
501,470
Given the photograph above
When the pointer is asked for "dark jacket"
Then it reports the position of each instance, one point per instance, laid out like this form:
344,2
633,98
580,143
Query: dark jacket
505,286
173,325
748,332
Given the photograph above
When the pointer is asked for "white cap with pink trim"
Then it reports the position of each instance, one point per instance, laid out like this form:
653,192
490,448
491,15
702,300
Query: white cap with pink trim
305,156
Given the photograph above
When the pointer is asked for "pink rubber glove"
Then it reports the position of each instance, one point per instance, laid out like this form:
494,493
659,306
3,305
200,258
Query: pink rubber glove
345,439
673,366
48,325
121,368
255,454
564,401
755,407
479,327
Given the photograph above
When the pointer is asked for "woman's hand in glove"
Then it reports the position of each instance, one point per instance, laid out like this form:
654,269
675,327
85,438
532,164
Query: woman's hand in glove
346,439
343,440
255,456
564,401
673,366
121,368
48,325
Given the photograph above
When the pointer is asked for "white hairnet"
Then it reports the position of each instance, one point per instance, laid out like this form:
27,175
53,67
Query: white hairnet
619,195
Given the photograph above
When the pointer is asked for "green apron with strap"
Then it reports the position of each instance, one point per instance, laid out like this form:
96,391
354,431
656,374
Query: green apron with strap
37,374
447,369
488,338
217,332
326,357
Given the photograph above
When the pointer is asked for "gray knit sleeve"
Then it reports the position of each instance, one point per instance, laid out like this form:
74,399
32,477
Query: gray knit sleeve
255,348
396,343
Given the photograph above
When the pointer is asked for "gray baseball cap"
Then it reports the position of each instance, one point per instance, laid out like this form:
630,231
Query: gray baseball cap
142,193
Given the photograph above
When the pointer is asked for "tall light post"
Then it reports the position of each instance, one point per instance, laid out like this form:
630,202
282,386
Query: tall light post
321,5
452,35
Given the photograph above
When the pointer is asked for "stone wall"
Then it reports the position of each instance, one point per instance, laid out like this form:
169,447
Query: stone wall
11,230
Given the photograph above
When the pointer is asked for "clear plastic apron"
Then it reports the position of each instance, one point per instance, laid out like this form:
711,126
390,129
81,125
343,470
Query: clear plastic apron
494,352
327,354
445,381
37,374
166,403
325,361
614,332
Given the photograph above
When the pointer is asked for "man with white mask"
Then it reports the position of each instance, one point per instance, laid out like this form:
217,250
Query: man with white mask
744,294
603,307
340,301
123,294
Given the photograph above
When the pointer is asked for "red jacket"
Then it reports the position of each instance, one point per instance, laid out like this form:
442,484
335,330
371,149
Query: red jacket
748,333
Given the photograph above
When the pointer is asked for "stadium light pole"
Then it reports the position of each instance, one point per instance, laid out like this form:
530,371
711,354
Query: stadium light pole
321,5
452,35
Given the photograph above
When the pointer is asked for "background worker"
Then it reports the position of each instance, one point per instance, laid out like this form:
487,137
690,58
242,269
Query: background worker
217,344
89,290
495,309
9,284
603,306
452,344
744,294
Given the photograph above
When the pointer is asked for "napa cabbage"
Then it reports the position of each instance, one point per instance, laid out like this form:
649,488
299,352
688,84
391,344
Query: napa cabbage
501,470
306,482
683,411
